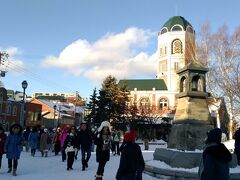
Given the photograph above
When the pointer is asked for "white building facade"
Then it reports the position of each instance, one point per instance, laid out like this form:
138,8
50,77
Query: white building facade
176,44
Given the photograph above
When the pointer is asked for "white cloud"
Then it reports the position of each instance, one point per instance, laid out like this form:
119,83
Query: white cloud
115,54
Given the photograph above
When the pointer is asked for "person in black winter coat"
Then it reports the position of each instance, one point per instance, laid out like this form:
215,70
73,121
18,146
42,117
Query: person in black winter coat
215,158
84,138
70,146
103,143
237,144
2,142
131,162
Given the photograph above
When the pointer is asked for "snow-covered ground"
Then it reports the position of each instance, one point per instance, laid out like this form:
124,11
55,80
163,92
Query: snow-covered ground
52,168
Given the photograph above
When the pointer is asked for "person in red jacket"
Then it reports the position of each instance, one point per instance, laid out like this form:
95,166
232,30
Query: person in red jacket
131,163
2,141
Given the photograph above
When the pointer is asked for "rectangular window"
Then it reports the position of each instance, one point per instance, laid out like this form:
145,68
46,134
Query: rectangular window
175,66
1,96
30,116
164,67
8,109
36,116
160,52
14,112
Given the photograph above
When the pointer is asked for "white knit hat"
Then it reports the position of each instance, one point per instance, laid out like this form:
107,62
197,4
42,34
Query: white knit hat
103,124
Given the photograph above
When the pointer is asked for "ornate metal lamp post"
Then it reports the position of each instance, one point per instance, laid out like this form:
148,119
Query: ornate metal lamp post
24,86
54,113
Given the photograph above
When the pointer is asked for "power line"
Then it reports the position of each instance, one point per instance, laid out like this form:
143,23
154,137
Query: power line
33,75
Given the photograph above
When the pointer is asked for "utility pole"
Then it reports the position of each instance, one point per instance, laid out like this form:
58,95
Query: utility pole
75,108
3,57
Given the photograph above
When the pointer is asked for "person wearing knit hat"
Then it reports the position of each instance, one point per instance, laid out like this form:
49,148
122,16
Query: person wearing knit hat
131,163
104,124
129,137
215,158
103,143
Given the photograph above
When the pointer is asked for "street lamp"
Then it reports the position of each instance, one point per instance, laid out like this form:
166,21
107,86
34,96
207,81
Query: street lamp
54,107
24,86
59,114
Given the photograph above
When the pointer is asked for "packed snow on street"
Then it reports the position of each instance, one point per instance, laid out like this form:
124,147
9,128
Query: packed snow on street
52,167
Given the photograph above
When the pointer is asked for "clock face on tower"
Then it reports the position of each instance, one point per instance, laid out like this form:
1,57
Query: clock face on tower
177,47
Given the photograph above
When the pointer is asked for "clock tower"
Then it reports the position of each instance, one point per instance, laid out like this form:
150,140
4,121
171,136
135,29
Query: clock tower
176,44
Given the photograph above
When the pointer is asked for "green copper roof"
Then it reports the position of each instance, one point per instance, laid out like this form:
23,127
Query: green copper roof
193,66
144,84
177,20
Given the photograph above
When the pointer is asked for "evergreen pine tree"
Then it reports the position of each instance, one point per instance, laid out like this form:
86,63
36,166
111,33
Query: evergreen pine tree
92,107
107,100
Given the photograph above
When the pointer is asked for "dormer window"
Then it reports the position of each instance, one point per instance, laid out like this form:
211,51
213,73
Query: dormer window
164,30
189,29
176,28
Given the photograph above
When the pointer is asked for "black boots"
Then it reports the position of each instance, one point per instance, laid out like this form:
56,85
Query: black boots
14,172
9,170
84,165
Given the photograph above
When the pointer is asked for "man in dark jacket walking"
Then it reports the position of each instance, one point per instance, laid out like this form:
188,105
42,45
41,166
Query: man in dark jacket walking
215,158
84,142
131,161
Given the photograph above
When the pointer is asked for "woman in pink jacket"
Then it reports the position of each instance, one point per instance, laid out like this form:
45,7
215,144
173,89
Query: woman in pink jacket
62,138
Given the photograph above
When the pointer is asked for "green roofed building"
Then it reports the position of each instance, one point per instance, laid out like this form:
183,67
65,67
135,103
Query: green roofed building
176,48
144,84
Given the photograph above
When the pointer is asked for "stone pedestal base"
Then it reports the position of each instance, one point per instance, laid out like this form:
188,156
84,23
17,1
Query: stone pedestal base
188,136
180,159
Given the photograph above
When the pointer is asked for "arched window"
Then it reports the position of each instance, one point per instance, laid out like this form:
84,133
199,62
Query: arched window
176,46
1,96
183,84
164,30
163,103
195,83
177,28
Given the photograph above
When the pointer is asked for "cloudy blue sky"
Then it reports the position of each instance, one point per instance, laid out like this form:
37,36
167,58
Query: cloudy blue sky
71,45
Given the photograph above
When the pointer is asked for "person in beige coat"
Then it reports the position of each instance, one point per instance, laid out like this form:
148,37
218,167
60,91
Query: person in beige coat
44,143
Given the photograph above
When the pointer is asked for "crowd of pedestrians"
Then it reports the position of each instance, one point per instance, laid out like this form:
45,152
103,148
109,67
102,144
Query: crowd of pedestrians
70,140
